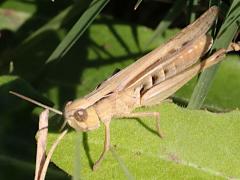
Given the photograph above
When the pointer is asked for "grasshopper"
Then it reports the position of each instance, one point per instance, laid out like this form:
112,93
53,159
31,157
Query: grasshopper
148,81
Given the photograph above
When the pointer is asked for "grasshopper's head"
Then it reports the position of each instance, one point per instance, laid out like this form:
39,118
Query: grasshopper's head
80,117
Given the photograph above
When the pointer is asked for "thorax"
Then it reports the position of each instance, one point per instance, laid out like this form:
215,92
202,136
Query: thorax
116,104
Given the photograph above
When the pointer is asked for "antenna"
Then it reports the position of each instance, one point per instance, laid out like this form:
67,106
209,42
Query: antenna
35,102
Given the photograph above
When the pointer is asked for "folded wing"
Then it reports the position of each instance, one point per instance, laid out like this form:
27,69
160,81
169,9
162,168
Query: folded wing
162,55
165,89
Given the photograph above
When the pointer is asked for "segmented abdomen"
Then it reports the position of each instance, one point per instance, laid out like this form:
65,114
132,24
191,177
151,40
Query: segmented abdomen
173,63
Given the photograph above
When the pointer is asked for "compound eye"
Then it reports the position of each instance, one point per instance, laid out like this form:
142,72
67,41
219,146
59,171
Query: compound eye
80,115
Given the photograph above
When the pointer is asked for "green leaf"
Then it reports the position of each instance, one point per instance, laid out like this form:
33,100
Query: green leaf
197,144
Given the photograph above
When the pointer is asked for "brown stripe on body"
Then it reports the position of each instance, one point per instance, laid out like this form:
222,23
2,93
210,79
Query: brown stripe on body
172,64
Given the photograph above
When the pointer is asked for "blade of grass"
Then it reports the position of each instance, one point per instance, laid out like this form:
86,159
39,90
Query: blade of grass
78,29
224,37
124,168
167,20
77,159
137,4
192,14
